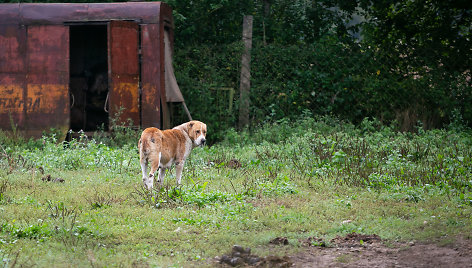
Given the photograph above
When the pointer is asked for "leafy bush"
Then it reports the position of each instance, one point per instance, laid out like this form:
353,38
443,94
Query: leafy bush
330,77
369,155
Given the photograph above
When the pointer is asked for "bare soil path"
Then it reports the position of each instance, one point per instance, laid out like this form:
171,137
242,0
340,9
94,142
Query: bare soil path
356,250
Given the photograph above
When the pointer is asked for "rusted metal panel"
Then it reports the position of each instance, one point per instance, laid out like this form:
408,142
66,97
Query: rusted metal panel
10,14
12,49
123,70
52,13
12,76
151,76
58,13
144,12
47,88
34,62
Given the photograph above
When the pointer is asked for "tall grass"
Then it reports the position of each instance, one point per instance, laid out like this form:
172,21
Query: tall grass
81,202
369,155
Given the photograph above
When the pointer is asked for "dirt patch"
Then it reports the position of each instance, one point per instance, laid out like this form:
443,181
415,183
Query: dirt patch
358,250
240,256
313,242
355,240
279,241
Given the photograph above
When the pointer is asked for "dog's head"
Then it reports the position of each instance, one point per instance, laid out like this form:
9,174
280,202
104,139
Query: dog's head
197,132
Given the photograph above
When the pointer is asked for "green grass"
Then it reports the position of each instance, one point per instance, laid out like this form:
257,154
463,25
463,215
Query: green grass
310,178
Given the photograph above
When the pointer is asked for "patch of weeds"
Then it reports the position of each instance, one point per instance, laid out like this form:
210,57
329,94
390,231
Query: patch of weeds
66,217
314,242
122,132
233,211
157,197
189,221
33,232
255,187
346,228
102,199
279,186
465,199
318,244
381,181
81,153
67,228
38,231
201,198
404,193
165,197
9,258
60,211
14,161
345,202
454,222
4,185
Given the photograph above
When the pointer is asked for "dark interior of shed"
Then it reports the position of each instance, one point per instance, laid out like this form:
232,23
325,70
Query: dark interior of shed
88,77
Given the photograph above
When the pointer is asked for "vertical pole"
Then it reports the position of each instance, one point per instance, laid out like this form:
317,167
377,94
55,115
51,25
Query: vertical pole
245,80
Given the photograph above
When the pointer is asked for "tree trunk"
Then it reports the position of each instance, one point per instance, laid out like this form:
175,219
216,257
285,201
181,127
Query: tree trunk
245,80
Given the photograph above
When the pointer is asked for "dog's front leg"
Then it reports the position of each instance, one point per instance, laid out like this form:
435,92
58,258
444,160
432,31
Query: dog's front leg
179,166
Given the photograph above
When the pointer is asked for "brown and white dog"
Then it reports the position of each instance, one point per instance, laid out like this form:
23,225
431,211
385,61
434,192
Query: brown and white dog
163,148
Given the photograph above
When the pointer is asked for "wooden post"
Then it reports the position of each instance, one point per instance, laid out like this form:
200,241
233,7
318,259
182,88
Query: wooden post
245,80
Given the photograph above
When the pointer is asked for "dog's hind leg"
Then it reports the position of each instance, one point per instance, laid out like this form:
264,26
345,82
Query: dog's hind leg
162,173
179,166
154,168
143,160
144,170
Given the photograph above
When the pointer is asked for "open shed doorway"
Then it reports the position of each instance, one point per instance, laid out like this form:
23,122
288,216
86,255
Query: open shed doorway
88,77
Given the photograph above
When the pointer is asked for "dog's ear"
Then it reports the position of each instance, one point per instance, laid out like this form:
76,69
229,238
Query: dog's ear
189,126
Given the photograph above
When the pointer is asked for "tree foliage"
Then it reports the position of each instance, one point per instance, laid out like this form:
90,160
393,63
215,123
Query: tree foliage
398,61
401,62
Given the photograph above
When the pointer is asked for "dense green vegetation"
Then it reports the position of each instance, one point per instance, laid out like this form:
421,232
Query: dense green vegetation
401,62
307,178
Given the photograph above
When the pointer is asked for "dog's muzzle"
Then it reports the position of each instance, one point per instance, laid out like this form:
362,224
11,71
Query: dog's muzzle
200,141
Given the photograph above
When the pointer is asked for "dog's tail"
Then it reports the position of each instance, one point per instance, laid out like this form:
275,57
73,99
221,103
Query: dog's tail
143,151
147,143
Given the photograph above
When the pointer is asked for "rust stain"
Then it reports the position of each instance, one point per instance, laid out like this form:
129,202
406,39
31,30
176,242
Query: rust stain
11,98
46,98
129,96
149,98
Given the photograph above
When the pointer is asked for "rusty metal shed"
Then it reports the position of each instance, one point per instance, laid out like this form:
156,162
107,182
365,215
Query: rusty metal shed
75,66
